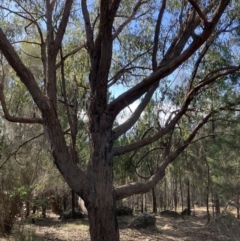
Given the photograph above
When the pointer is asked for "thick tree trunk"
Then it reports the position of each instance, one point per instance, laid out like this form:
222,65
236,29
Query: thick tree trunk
99,194
101,204
102,218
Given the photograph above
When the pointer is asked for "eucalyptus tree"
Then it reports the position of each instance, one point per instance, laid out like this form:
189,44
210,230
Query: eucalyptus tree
139,45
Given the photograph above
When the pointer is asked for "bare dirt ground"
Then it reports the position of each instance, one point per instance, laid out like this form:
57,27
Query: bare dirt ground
193,228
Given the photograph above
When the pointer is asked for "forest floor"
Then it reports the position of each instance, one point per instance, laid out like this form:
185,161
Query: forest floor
193,228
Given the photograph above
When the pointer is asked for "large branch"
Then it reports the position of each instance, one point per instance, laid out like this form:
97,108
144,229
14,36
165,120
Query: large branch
18,119
168,66
199,11
22,71
156,35
129,19
120,150
138,188
63,25
88,27
104,41
129,66
32,20
74,51
208,79
121,129
198,61
101,54
17,150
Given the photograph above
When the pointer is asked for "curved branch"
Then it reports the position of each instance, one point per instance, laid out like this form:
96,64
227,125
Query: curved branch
118,131
10,118
19,147
74,51
22,71
191,94
138,188
198,61
120,150
127,67
24,41
168,65
220,72
34,21
129,19
199,11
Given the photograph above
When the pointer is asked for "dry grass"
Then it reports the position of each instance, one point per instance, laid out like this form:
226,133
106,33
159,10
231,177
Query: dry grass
193,228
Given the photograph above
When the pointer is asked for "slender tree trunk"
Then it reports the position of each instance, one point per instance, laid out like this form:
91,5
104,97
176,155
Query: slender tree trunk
188,198
207,206
213,206
154,201
217,204
64,203
165,193
161,201
175,196
145,203
237,202
43,207
208,191
142,203
27,209
181,191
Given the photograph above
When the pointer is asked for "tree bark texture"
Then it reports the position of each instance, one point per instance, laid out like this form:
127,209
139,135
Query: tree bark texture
99,196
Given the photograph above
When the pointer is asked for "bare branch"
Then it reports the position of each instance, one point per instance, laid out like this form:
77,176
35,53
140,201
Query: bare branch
19,147
138,188
118,131
32,20
125,68
208,79
10,118
22,71
74,51
63,25
24,41
30,55
129,19
168,65
199,11
198,61
156,35
191,94
88,27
